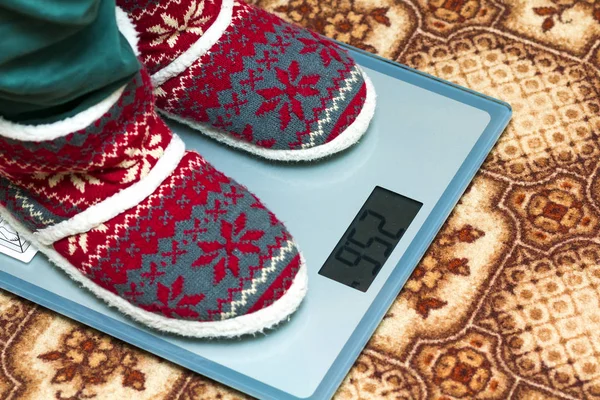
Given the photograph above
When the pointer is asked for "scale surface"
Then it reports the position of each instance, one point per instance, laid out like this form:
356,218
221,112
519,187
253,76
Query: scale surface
426,142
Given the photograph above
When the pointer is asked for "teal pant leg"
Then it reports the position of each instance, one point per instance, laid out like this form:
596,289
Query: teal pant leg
58,57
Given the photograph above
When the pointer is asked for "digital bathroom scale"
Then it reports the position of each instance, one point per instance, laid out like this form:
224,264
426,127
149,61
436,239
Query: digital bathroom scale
363,220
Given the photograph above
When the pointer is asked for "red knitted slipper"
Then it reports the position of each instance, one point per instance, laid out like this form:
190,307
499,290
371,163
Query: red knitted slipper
251,80
112,198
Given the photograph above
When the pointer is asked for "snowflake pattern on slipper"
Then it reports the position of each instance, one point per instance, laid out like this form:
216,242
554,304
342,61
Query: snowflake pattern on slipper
251,80
150,228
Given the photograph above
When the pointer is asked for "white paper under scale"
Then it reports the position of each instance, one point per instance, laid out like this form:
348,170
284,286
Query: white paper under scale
13,245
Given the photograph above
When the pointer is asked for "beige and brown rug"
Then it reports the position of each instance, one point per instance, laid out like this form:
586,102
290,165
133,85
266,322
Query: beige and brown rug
506,304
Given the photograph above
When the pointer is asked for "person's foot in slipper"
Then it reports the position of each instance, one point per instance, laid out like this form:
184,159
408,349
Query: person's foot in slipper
249,79
111,197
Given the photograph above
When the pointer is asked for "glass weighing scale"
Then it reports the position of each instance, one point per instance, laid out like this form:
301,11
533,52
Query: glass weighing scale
363,220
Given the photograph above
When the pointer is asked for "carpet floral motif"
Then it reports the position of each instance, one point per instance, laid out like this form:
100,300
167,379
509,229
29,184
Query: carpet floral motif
463,368
557,10
341,20
85,359
436,266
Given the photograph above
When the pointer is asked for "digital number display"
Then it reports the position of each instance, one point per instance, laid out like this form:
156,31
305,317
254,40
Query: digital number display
370,239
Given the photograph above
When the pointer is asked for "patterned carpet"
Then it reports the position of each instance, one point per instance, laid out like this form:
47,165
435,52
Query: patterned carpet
506,304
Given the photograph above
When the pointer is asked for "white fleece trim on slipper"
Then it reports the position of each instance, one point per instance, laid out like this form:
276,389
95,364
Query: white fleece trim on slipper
119,202
347,138
127,29
44,132
198,49
255,322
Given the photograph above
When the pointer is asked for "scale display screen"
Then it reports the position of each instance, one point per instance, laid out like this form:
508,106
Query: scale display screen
370,239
